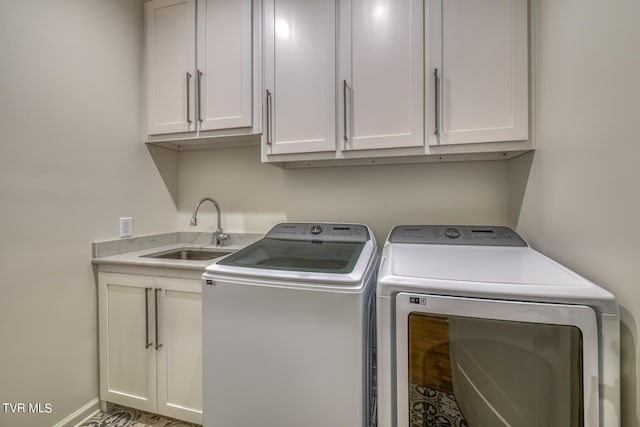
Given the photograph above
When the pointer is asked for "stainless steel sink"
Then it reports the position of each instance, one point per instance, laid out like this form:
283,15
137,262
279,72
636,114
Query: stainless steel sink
191,254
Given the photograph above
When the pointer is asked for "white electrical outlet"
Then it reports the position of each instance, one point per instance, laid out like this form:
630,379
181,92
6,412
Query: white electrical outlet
126,227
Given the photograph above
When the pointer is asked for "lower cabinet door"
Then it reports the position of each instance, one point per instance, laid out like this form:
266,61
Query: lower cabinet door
127,353
151,344
180,351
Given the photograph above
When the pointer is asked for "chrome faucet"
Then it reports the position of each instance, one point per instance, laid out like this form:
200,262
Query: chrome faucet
219,237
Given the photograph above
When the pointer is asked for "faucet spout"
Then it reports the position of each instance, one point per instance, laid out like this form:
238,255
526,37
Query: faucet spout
219,237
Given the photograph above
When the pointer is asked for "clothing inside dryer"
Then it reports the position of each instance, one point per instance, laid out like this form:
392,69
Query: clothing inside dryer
491,373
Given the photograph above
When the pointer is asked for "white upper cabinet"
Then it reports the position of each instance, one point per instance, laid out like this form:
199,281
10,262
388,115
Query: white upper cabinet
299,76
171,55
199,66
381,74
417,80
223,74
482,68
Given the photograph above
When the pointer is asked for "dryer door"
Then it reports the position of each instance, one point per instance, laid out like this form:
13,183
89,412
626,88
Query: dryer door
490,363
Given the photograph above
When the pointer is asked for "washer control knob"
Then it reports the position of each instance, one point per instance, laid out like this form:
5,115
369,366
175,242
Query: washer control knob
316,229
452,233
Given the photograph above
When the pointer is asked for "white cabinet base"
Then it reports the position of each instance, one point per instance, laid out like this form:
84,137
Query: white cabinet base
151,343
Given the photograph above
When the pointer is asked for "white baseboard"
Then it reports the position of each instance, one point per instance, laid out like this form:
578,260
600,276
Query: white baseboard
81,415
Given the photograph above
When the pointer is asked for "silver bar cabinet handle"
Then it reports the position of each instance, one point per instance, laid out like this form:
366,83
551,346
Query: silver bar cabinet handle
146,316
158,345
199,96
188,98
436,130
269,141
344,112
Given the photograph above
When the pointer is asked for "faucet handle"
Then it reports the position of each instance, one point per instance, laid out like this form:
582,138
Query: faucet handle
221,238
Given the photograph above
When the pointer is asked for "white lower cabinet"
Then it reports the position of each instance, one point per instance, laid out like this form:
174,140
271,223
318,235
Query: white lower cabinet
180,358
151,343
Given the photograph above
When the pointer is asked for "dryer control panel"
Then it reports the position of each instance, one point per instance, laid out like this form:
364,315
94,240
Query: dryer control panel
456,235
320,232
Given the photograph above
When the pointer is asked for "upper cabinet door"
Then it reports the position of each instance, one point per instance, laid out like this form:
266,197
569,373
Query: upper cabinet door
381,88
224,72
484,71
300,76
171,33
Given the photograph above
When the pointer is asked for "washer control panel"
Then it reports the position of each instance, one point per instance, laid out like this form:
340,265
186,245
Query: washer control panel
456,235
319,232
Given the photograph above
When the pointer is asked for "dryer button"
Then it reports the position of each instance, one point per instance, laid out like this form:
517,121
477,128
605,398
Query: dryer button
452,233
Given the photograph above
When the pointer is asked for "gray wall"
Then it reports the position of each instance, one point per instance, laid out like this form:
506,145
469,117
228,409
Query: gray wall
577,198
71,164
255,196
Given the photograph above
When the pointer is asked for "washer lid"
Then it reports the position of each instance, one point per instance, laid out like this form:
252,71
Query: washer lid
329,253
297,255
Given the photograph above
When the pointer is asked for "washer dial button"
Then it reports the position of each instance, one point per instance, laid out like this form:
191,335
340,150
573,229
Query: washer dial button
316,229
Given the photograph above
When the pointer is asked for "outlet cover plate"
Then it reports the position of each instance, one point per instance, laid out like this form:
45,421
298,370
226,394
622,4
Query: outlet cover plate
126,227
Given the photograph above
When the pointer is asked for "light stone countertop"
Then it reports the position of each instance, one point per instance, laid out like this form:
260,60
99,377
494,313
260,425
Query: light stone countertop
132,251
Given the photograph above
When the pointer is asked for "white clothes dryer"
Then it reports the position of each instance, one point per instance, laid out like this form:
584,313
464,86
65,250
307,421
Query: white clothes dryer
476,327
288,324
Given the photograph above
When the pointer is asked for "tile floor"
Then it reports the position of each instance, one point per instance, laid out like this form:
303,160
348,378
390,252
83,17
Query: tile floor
432,408
120,416
427,408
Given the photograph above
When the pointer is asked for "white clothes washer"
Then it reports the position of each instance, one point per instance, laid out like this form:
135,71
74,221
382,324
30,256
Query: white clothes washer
476,327
288,325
